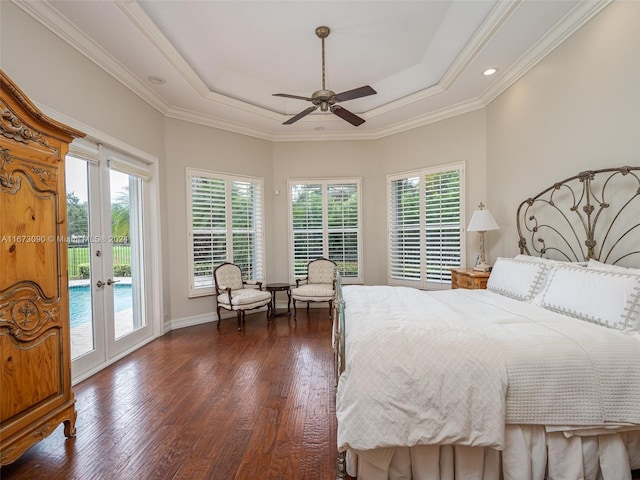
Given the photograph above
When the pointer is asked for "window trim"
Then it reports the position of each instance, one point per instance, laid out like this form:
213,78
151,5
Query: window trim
325,230
421,173
227,178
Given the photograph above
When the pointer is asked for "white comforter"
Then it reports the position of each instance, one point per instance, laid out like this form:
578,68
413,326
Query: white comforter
433,368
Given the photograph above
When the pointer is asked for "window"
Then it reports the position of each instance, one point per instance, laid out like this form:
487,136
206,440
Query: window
324,220
425,226
225,225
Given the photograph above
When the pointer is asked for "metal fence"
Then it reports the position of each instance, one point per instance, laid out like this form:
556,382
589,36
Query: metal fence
79,260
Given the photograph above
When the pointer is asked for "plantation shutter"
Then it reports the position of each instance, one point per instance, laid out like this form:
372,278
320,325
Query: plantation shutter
405,230
209,229
343,227
246,218
307,229
425,219
226,225
442,225
325,222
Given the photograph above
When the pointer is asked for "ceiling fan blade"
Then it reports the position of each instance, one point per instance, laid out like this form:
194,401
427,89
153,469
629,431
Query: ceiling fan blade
297,117
355,93
286,95
345,114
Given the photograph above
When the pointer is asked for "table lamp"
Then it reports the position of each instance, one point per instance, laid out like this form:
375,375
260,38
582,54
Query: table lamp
481,222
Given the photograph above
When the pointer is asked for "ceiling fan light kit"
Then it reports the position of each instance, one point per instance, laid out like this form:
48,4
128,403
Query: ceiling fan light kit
325,99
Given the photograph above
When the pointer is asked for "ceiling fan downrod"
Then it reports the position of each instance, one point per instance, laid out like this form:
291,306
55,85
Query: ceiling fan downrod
322,33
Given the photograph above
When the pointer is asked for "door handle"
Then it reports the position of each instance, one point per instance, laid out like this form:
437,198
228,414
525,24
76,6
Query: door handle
111,282
100,284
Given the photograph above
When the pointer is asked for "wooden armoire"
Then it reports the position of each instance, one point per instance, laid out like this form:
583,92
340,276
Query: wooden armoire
35,382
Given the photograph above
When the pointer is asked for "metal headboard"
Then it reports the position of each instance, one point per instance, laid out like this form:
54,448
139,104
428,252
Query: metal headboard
595,214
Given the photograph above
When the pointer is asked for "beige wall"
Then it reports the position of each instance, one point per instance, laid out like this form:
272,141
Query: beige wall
195,146
461,138
576,110
299,160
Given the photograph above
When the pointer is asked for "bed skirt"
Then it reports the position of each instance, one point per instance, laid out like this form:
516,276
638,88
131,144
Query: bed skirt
531,453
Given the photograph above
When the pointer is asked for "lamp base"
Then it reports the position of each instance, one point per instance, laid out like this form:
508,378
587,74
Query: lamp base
482,267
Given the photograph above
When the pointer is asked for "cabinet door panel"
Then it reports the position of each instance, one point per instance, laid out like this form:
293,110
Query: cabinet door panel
31,373
29,233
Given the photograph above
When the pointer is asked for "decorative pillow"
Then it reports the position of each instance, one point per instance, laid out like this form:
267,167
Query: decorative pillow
517,279
612,268
548,261
606,298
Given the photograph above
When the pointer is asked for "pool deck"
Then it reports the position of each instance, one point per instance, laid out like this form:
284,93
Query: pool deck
82,335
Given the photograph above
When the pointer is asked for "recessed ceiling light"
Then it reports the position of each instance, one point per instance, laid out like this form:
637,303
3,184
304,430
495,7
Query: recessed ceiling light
489,71
156,80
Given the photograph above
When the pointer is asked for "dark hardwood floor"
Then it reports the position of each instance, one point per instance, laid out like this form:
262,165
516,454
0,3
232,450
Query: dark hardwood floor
203,403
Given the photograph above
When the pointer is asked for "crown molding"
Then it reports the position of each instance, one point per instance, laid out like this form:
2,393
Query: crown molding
567,26
219,123
500,13
134,12
432,117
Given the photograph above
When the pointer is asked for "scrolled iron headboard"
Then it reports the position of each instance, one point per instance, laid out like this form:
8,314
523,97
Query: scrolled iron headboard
595,214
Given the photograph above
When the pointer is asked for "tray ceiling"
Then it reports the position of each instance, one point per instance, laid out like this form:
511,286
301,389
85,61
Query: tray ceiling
221,61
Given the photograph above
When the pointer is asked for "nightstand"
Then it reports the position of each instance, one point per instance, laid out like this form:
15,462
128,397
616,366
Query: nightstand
468,278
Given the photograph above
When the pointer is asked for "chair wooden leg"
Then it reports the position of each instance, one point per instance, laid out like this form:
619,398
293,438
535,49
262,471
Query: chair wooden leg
295,309
219,317
308,303
330,307
239,314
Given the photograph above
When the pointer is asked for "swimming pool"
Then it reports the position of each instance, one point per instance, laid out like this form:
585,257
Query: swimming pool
80,302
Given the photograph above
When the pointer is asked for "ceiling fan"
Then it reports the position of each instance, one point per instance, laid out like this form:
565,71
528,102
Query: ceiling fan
325,99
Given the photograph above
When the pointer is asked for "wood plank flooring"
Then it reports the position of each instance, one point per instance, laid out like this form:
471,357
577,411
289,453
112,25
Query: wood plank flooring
203,403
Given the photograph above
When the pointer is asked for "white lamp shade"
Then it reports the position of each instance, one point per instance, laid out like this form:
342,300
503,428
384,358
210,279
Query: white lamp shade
482,221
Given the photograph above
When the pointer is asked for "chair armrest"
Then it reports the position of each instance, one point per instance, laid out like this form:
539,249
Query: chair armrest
253,283
226,289
303,279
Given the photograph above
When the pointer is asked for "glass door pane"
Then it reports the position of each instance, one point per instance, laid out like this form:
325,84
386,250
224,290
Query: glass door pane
127,254
79,258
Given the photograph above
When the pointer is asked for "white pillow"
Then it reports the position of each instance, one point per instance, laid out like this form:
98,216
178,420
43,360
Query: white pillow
609,298
517,279
612,268
549,261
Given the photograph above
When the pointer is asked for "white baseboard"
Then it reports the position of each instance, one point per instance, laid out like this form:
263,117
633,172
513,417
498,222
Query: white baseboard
213,317
205,318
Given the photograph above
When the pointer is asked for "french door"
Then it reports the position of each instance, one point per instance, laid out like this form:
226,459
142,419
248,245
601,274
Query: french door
107,261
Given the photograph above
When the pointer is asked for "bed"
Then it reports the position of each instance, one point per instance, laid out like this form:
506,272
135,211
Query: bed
536,377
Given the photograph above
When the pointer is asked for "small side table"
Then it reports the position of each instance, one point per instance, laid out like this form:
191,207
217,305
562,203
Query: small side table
468,278
279,287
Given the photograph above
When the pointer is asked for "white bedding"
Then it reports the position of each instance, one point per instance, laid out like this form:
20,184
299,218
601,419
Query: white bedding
428,368
416,375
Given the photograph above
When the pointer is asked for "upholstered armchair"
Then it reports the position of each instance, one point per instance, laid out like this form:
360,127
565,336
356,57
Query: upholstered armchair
231,293
318,286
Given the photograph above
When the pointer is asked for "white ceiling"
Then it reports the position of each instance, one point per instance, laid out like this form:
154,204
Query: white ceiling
223,60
